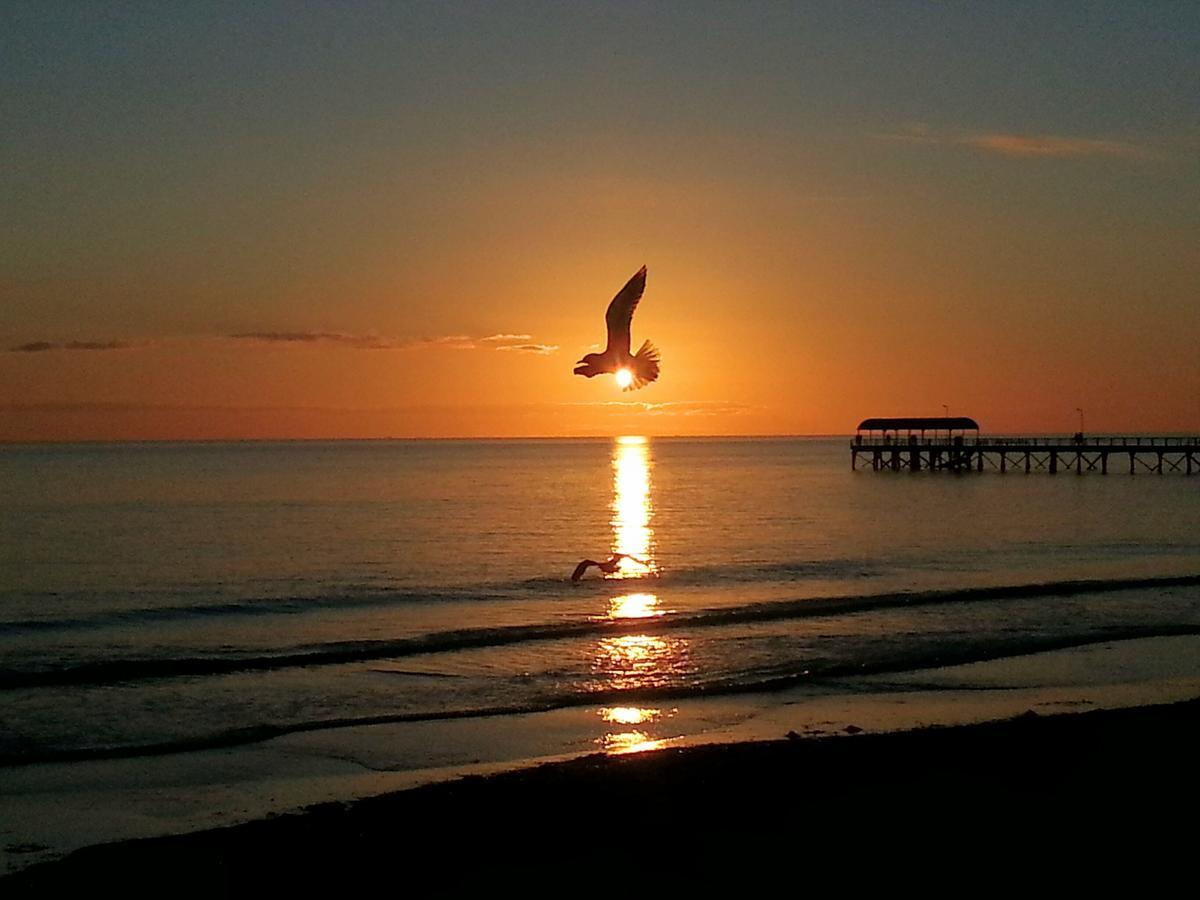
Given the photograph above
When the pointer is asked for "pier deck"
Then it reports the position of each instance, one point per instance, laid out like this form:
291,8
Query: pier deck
960,453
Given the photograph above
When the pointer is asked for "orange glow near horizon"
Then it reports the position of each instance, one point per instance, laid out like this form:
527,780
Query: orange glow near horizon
214,387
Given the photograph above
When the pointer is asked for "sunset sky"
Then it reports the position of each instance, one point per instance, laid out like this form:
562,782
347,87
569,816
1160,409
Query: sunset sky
226,220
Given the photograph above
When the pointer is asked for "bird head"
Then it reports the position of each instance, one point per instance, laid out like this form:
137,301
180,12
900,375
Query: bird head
589,366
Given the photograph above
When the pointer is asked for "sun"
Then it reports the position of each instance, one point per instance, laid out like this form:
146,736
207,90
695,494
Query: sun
624,378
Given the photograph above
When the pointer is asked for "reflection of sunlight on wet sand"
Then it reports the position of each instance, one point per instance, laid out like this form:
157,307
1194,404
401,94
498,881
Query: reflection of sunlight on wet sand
631,507
633,606
629,715
629,742
633,741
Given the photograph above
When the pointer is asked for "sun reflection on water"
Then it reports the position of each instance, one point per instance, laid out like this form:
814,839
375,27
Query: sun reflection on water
628,662
633,606
631,507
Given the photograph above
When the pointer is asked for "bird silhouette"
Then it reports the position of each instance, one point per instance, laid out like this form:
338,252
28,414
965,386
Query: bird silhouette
608,567
643,365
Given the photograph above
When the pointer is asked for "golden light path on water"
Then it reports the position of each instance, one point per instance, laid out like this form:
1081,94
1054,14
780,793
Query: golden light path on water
631,661
631,506
633,606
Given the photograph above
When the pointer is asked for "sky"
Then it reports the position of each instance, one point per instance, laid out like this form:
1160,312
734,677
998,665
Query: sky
309,220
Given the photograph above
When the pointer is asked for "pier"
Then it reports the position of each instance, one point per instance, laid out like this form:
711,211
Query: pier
947,444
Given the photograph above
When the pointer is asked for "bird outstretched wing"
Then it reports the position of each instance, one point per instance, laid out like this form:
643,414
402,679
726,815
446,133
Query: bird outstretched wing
583,566
620,312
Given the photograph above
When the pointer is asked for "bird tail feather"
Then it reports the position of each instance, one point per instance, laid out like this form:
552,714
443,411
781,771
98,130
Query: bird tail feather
645,366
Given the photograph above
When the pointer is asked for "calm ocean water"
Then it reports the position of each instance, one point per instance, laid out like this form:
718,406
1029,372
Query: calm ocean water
157,597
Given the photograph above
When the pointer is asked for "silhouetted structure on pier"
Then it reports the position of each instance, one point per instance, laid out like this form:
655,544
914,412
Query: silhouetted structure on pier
938,444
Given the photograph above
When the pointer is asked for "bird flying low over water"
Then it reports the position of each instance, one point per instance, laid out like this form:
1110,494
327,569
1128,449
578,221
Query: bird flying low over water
634,371
608,567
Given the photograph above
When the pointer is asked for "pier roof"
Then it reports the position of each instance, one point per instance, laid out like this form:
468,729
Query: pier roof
938,423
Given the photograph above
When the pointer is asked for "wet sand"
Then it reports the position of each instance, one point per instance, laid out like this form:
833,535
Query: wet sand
691,818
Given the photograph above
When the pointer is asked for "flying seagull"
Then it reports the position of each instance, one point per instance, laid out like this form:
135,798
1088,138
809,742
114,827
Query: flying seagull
608,567
632,371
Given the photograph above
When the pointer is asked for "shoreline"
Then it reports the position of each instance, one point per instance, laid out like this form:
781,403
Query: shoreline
73,823
1112,773
54,810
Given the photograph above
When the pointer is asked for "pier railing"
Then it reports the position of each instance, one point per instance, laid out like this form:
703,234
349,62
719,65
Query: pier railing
960,453
1115,441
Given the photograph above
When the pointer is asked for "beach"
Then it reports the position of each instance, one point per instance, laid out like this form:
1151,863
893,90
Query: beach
1083,745
704,815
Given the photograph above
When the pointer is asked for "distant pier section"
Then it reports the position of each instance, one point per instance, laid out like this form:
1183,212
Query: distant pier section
954,444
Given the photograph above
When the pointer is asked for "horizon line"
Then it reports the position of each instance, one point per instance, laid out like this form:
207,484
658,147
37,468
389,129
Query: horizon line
20,442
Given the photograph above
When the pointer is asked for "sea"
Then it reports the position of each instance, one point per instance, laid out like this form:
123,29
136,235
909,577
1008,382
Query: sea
159,599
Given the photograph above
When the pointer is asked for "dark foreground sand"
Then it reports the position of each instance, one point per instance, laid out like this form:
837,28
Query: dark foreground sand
1086,797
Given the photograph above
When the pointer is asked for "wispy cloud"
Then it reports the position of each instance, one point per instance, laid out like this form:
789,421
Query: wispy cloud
45,346
290,337
1052,146
449,341
303,338
1029,146
912,133
540,349
519,342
